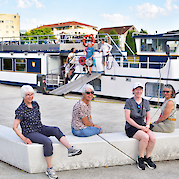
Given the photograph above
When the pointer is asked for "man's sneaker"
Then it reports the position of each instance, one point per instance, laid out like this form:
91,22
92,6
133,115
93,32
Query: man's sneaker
149,163
72,151
51,173
140,163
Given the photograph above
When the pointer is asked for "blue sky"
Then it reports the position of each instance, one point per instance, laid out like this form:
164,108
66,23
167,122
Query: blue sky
153,15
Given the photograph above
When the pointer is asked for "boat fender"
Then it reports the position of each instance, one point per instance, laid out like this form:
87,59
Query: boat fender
84,40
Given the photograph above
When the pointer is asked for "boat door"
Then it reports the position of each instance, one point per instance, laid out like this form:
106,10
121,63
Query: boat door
53,64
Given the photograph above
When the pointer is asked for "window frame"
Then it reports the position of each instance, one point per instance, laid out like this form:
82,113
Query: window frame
3,64
17,63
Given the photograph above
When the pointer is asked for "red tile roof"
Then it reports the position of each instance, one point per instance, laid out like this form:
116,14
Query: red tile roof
119,30
62,24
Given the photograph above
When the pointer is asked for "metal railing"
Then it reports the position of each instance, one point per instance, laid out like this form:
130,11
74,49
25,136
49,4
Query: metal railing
111,66
61,39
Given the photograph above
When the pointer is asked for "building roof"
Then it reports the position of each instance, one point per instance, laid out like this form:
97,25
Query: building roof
70,23
120,30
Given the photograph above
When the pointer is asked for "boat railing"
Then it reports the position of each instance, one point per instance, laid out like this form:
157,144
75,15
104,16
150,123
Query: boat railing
56,42
56,76
43,39
138,64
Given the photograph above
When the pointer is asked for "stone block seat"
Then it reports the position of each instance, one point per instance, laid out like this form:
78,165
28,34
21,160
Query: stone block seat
106,149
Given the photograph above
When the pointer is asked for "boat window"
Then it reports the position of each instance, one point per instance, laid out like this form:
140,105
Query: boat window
7,64
173,45
152,89
152,45
159,45
146,45
21,65
96,83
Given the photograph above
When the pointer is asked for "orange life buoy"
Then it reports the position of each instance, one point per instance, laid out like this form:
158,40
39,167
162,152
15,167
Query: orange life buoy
91,36
82,60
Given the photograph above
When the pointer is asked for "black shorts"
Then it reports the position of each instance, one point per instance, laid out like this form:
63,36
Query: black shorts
89,66
130,132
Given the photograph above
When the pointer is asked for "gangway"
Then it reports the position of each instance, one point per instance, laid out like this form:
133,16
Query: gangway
80,81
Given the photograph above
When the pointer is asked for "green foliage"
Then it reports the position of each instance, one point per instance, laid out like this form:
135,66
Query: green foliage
131,43
41,32
143,31
101,32
115,38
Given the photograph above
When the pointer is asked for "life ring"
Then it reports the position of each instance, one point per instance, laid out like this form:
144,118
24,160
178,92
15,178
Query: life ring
82,60
91,36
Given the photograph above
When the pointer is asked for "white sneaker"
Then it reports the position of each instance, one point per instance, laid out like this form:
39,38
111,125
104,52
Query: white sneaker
72,151
51,173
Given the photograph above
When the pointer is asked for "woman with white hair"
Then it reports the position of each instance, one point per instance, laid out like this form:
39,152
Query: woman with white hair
82,124
33,131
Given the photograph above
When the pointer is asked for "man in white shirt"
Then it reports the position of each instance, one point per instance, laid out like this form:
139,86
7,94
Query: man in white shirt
69,65
105,48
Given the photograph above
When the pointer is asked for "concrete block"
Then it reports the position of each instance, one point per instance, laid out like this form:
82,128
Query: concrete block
15,152
128,146
96,153
166,147
107,149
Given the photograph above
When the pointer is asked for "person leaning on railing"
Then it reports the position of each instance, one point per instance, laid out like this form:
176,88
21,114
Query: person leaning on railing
167,119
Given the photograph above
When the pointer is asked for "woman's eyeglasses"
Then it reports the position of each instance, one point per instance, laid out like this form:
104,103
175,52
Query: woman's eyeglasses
87,92
29,95
166,91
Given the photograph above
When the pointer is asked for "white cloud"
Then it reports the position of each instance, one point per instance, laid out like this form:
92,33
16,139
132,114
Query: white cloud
38,5
28,3
115,18
168,4
23,4
3,2
175,6
148,11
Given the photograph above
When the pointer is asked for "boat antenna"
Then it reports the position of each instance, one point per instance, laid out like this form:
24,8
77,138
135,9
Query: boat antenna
168,54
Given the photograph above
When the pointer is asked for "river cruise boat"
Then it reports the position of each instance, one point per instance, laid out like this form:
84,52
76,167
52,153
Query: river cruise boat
39,61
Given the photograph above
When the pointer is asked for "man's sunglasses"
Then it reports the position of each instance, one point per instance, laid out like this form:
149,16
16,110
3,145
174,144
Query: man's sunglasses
87,92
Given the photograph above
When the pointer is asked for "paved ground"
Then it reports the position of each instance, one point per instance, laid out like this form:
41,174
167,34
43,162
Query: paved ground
56,110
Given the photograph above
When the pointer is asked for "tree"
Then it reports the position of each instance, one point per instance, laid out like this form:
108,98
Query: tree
101,32
130,42
39,32
115,38
143,41
143,31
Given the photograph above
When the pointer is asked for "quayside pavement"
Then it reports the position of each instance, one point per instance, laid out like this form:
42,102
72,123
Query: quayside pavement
56,110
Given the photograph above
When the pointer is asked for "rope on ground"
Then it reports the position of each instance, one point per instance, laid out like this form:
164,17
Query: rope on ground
116,148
